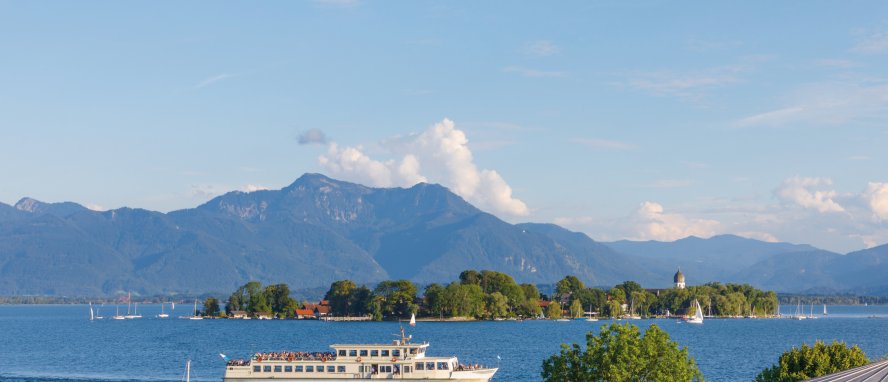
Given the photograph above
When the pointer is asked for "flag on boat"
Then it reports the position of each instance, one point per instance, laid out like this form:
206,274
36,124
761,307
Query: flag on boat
223,357
412,319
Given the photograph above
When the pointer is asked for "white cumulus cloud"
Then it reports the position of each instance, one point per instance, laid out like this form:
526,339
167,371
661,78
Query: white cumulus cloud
653,223
876,195
802,192
439,154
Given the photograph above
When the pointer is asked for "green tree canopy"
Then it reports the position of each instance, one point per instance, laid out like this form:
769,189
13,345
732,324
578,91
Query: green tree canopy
211,307
576,309
808,362
397,297
470,276
569,284
620,353
339,296
554,310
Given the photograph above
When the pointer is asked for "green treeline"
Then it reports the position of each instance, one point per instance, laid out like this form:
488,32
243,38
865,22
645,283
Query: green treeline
491,294
253,298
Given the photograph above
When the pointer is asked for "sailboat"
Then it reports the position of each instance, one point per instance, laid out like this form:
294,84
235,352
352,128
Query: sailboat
824,309
589,317
92,315
162,314
98,316
698,314
632,315
195,316
798,313
412,319
811,315
117,316
129,299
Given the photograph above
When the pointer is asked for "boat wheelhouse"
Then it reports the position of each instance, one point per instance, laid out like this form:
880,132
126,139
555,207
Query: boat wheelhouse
399,360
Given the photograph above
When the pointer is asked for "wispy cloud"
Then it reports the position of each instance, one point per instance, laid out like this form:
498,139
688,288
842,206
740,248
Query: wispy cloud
312,136
827,103
541,48
871,42
212,80
689,85
773,117
837,63
604,144
669,183
534,73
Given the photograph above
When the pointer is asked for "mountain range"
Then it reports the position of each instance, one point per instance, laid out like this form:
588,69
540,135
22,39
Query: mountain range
317,230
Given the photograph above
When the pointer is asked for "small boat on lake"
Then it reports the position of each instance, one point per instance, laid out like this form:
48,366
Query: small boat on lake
400,360
117,315
162,313
698,314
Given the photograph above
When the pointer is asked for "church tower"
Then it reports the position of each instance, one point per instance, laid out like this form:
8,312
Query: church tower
679,279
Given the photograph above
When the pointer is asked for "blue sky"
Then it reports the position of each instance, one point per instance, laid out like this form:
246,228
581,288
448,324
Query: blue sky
639,121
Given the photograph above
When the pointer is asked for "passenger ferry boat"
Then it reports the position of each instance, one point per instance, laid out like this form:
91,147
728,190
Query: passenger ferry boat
399,360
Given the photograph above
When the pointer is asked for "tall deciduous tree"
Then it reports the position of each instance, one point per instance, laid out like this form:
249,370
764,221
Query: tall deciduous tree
211,307
339,296
620,353
569,284
808,362
554,310
397,297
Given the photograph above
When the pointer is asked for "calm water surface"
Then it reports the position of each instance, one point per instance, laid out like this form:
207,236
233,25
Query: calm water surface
58,343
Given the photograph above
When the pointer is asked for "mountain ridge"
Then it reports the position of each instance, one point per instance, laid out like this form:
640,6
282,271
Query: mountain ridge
318,229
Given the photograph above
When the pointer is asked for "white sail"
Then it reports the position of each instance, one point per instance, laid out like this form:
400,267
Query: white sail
412,319
698,314
92,315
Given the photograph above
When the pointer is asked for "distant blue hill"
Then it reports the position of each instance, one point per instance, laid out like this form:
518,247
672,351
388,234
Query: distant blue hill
318,230
307,234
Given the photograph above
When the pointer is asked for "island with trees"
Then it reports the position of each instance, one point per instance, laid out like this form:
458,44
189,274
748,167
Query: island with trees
492,295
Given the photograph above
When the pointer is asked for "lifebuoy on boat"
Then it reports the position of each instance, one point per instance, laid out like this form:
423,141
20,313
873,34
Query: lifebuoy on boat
394,359
358,359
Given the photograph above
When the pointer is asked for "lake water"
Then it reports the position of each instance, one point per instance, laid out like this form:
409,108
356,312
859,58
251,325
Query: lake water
59,343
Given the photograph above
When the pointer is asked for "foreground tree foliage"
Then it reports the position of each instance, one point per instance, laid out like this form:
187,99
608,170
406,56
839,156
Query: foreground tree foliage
808,362
620,353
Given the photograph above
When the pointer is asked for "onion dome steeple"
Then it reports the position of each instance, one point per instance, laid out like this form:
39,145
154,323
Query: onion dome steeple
679,279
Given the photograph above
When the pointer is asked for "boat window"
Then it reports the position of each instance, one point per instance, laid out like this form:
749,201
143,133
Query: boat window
257,369
298,368
352,353
288,369
385,368
408,369
430,366
363,353
396,353
309,369
340,369
412,350
420,366
443,366
385,353
374,353
278,369
319,369
342,352
267,368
